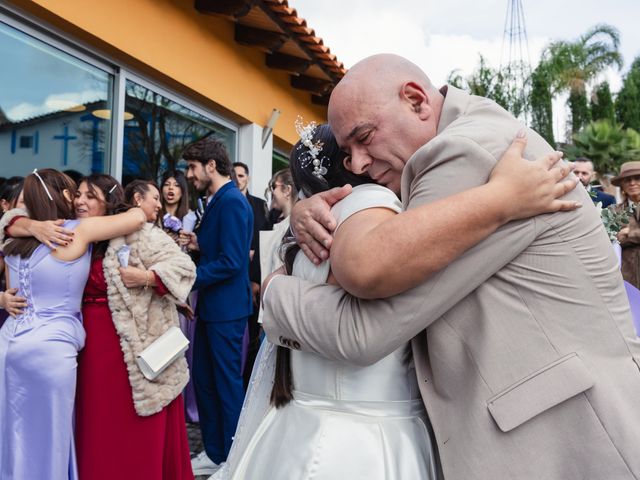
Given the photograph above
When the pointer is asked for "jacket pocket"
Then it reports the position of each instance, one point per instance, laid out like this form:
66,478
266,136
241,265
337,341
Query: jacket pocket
549,386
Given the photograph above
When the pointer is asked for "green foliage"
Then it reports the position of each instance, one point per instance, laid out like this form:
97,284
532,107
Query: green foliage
606,144
628,100
540,102
579,107
602,103
614,221
491,83
574,64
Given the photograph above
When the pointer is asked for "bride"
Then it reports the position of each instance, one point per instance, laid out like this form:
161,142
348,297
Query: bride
307,417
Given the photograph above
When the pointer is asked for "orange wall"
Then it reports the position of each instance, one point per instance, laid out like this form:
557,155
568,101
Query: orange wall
194,53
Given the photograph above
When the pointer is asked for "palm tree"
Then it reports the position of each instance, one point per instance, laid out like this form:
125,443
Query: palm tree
575,64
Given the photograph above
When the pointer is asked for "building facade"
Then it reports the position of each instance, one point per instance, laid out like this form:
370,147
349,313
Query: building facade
121,86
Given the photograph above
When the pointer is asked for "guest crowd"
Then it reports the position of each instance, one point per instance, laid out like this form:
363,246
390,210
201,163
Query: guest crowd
75,317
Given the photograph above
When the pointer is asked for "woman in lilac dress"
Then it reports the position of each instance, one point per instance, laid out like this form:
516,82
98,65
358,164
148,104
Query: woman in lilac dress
38,348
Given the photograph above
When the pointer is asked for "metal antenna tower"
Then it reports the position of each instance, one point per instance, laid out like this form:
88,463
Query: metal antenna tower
516,64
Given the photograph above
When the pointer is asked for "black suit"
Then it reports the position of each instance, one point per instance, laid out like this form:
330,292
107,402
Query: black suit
259,208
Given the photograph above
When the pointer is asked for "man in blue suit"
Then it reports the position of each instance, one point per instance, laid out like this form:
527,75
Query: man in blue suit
585,172
224,299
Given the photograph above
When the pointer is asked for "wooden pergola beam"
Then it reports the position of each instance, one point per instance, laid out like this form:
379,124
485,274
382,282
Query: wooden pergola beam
320,99
234,8
311,84
255,37
288,63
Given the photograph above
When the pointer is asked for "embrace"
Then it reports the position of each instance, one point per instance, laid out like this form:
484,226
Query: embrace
479,329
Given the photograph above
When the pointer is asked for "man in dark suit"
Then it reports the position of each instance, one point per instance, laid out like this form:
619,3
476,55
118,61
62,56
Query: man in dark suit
259,207
585,172
224,302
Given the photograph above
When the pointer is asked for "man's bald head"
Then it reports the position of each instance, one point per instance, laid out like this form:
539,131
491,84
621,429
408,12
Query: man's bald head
387,103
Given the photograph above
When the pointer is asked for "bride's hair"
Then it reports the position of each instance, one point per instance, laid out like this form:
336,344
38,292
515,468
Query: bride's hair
309,180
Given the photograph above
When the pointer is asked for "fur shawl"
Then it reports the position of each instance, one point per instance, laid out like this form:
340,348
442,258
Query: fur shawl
6,218
140,316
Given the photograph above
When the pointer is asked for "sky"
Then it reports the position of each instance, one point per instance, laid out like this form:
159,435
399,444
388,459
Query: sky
441,36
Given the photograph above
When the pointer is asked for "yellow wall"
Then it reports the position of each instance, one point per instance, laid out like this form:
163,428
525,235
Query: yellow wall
194,53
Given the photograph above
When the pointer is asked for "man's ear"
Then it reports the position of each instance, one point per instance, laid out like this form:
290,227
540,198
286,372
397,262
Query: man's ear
417,98
210,167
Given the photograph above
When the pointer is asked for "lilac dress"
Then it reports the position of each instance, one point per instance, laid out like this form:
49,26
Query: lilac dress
38,351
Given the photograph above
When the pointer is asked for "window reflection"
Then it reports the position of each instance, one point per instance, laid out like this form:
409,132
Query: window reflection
47,100
158,131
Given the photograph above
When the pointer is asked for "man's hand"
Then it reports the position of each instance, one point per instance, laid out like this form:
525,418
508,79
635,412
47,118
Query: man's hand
188,240
312,222
12,303
133,277
186,310
51,233
255,293
532,188
623,234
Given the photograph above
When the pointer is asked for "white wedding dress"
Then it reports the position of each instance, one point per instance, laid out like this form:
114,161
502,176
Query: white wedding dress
345,422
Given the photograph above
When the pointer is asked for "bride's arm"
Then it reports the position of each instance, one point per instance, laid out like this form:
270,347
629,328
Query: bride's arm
377,254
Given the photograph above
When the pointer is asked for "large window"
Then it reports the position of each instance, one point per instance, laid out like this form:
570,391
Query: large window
54,108
57,105
157,129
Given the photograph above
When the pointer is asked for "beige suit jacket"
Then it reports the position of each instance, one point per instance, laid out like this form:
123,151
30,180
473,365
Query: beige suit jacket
524,347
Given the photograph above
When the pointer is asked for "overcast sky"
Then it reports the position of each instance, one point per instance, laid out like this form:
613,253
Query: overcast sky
441,36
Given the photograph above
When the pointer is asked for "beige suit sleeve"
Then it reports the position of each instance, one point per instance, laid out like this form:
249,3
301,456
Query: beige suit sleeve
329,321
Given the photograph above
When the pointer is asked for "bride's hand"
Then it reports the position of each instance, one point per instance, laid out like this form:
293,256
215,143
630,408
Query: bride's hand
531,188
312,222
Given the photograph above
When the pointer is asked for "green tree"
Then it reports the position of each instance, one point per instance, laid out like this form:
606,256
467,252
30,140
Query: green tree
628,100
607,144
491,83
575,64
602,103
540,102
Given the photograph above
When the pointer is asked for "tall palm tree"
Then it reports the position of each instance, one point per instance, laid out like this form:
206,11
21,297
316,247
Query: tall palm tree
575,64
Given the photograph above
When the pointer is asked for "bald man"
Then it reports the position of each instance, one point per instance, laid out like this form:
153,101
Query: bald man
524,347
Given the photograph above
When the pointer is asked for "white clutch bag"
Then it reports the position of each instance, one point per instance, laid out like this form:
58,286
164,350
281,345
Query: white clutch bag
162,352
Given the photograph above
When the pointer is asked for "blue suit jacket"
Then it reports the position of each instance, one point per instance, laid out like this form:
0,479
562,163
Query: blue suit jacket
600,196
225,233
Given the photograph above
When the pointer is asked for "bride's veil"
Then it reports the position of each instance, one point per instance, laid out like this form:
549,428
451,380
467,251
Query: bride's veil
256,404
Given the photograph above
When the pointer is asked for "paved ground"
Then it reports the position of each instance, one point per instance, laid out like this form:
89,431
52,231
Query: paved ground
195,443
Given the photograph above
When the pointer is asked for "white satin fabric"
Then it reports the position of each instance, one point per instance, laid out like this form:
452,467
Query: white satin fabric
345,422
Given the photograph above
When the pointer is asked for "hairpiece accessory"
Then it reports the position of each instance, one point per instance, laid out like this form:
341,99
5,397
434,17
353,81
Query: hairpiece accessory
44,185
311,157
113,188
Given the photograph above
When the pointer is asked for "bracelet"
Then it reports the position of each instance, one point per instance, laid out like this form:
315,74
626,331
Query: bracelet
146,285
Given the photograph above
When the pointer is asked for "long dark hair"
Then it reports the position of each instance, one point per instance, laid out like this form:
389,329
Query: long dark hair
113,200
138,186
41,207
183,205
10,191
302,171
